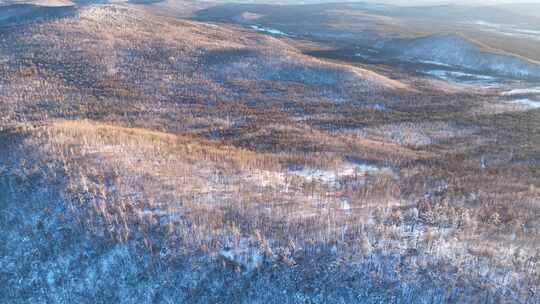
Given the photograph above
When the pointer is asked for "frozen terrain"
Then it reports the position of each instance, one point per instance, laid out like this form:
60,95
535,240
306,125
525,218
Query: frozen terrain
17,14
453,50
283,158
509,30
347,170
522,91
268,30
463,78
526,103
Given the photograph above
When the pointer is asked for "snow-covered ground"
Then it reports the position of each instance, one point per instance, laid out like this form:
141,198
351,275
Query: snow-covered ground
362,56
243,253
524,98
377,106
459,52
347,170
269,30
526,103
415,134
435,63
523,91
508,30
463,78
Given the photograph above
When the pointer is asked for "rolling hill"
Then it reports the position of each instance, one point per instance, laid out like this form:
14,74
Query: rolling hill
493,29
107,62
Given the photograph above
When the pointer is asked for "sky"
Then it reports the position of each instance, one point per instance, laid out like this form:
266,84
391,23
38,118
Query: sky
395,2
421,2
461,2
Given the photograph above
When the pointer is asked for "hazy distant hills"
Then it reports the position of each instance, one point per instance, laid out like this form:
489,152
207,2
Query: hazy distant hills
529,9
503,14
520,13
488,29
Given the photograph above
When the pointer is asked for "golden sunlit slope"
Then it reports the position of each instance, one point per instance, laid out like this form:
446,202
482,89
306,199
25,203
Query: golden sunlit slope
115,63
95,192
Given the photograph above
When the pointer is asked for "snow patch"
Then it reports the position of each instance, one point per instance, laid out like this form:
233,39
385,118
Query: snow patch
333,176
527,103
458,77
362,56
243,254
455,74
377,106
508,30
527,91
414,134
435,63
346,207
269,30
